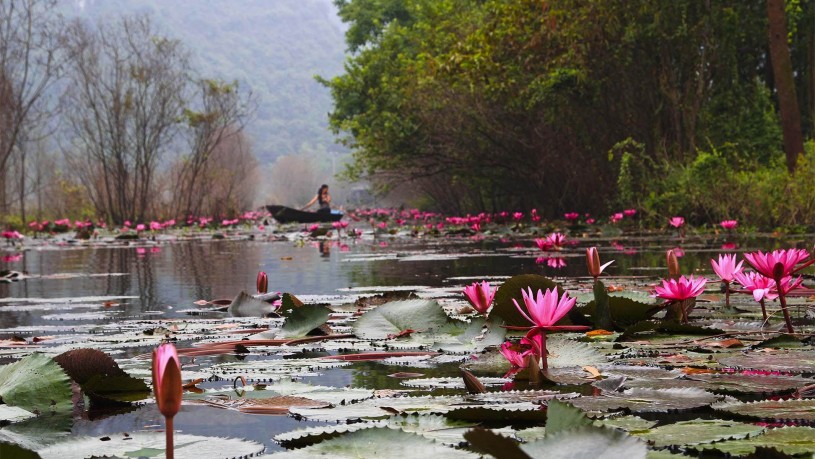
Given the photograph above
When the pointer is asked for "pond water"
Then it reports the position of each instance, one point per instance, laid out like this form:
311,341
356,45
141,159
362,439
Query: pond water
71,288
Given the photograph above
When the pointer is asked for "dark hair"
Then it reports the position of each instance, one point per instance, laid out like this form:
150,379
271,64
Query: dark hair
320,193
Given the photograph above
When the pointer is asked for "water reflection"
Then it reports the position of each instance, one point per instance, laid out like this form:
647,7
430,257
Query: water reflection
167,278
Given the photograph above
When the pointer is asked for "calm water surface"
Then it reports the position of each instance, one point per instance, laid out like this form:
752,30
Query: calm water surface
164,280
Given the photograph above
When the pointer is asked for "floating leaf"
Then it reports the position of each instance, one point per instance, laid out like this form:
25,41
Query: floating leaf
16,452
494,444
587,442
735,383
300,321
245,305
10,413
381,442
36,383
561,416
698,431
641,400
785,361
136,444
789,440
783,410
100,376
511,289
392,318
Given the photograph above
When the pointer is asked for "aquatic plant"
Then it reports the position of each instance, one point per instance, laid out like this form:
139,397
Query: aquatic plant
726,268
480,296
681,292
167,387
778,265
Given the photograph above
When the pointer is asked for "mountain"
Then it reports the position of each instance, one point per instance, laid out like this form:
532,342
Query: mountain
272,48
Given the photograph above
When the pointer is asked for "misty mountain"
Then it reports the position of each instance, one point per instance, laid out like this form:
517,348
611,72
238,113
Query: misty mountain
272,48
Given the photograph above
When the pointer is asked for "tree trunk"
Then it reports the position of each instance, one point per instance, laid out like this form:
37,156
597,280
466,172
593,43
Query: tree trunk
784,83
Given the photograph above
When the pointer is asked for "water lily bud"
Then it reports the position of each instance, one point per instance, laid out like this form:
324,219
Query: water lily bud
593,262
167,379
262,282
673,265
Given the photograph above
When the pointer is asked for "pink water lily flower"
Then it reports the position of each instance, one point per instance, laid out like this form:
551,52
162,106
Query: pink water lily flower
726,268
556,240
593,262
677,222
571,216
760,286
545,309
480,295
543,243
729,224
681,289
630,212
517,358
765,263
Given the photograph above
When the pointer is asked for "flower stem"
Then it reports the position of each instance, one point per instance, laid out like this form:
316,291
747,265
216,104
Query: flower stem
727,294
784,308
544,364
168,436
763,310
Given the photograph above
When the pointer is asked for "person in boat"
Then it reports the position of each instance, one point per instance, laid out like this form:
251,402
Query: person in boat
323,199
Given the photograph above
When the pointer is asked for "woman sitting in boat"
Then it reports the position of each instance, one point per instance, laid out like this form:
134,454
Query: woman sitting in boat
323,199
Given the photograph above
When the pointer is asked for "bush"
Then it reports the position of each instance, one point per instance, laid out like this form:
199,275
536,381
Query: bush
716,186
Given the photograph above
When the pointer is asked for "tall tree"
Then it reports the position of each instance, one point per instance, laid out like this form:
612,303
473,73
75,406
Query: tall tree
220,113
126,94
784,82
30,63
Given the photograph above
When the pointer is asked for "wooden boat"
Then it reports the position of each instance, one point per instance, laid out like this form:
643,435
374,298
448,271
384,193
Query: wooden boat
285,214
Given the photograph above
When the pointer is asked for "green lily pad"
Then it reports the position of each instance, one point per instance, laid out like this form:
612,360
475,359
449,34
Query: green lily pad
304,319
139,444
587,441
782,410
511,289
37,384
643,400
730,383
17,452
788,440
784,361
561,417
425,316
381,442
698,431
631,424
624,311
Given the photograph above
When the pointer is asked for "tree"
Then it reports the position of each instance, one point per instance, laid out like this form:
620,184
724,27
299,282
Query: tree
30,64
221,115
124,99
784,82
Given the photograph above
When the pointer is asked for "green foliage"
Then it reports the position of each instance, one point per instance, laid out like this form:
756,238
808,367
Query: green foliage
723,184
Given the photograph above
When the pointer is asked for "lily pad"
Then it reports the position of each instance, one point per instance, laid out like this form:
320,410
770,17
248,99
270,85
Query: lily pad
728,383
788,440
643,400
511,289
698,431
37,384
782,410
245,305
588,441
381,442
389,319
785,361
137,444
304,319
